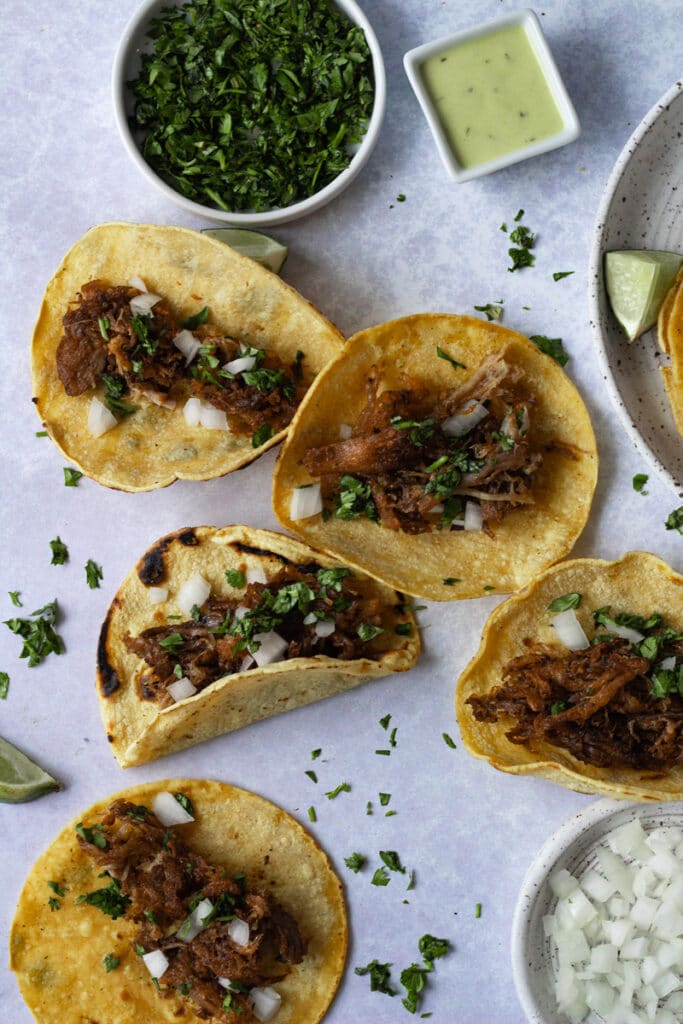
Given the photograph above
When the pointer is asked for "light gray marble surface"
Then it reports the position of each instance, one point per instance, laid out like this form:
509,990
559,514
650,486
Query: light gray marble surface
468,832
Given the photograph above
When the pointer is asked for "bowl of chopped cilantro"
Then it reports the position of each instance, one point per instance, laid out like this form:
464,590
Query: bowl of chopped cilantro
249,112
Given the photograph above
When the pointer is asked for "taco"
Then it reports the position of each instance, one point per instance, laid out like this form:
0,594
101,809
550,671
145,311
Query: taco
161,354
180,900
450,456
215,629
670,336
579,680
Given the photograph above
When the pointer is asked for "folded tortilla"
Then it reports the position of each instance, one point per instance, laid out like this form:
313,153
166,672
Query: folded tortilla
639,583
155,446
58,955
138,730
447,565
670,337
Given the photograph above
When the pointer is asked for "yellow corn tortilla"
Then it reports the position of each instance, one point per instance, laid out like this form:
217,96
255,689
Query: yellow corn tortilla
155,446
57,955
527,541
639,583
138,730
670,336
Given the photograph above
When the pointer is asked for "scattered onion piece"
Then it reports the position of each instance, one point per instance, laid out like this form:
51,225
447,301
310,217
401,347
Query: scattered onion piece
100,419
254,574
157,595
169,811
266,1003
213,418
345,431
240,365
155,962
188,345
464,419
272,648
474,518
238,930
323,629
570,631
305,502
141,305
192,411
181,689
195,922
194,591
137,282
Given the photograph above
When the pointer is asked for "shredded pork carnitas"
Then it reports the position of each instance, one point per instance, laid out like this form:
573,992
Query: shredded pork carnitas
162,879
104,342
598,704
217,642
411,474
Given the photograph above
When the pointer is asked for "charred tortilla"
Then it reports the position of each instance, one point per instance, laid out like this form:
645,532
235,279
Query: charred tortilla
639,584
154,445
58,954
436,354
143,723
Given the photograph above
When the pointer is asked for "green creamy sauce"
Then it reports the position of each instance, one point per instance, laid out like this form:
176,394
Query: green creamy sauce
491,96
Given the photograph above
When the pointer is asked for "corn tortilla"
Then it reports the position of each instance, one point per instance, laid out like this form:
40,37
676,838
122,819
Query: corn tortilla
670,336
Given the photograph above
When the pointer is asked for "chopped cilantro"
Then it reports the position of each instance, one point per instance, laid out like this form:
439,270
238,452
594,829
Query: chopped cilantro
57,889
14,598
561,604
559,274
260,436
140,325
172,643
71,476
449,359
4,685
93,835
93,574
384,722
110,900
111,962
674,520
41,433
379,977
354,500
368,807
447,740
433,948
518,216
413,979
557,707
195,613
316,753
552,347
504,440
151,916
355,862
385,753
103,324
420,430
333,578
392,737
53,903
343,787
477,910
493,310
115,387
312,816
366,631
235,578
384,798
450,581
297,368
38,633
639,481
265,380
392,860
312,776
60,552
185,803
489,587
403,628
380,877
198,318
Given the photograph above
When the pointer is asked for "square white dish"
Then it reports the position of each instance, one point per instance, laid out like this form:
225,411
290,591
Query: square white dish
414,60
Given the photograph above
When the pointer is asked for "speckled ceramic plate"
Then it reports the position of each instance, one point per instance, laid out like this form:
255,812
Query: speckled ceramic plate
571,847
642,208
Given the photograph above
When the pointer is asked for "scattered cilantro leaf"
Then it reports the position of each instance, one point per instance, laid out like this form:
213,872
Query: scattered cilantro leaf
312,776
493,310
110,900
38,633
674,520
384,722
355,499
71,476
14,598
639,481
379,977
316,753
384,798
343,787
450,581
403,629
366,631
559,274
355,862
4,685
449,359
60,552
93,835
312,816
447,740
561,604
263,434
115,387
185,803
93,574
380,877
111,962
57,889
477,910
235,578
552,347
392,860
198,318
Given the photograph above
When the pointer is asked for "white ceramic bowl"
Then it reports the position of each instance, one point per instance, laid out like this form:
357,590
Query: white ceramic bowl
127,66
571,847
571,129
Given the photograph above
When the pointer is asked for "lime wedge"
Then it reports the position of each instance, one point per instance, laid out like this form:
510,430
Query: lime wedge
20,778
262,248
637,281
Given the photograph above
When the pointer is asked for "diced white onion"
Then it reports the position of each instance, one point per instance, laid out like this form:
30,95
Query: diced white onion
159,399
272,647
169,811
246,663
464,419
323,629
632,635
241,610
155,962
238,930
240,365
255,574
474,518
305,502
266,1003
157,594
188,345
668,663
213,418
194,591
100,419
225,982
570,631
310,619
141,305
195,922
137,282
192,411
345,431
181,689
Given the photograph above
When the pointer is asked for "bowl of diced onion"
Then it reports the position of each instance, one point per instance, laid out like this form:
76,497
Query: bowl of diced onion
597,934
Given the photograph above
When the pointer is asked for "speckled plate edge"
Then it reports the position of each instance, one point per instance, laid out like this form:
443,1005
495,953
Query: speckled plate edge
568,847
600,316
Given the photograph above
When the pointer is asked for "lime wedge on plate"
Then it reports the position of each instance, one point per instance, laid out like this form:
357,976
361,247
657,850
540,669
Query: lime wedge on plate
262,248
637,281
20,778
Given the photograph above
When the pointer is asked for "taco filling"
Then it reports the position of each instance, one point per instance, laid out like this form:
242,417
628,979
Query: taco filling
201,935
614,702
128,341
415,462
302,612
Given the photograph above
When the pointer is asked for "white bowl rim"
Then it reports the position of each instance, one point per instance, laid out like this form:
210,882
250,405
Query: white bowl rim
596,283
539,870
267,218
529,19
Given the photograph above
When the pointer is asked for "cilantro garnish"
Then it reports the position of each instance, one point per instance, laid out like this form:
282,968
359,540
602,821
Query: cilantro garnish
333,578
260,436
343,787
57,889
518,216
523,242
297,368
450,581
639,481
449,359
674,520
561,604
421,431
71,476
311,774
4,685
198,318
38,633
385,753
111,962
110,900
380,877
403,629
552,347
447,740
477,910
185,803
41,433
172,643
559,274
140,325
355,499
267,380
103,324
558,706
366,631
235,578
413,979
316,753
53,903
93,574
93,835
384,798
355,862
493,310
392,860
14,598
312,816
115,387
60,552
384,722
504,440
379,977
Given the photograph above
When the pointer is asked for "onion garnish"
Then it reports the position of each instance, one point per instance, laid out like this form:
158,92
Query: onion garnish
240,365
141,305
181,689
169,811
157,594
137,282
474,518
271,648
213,418
238,930
246,663
323,629
625,632
194,591
192,411
266,1003
345,431
100,419
255,574
225,982
305,502
188,345
155,962
195,922
464,419
570,631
